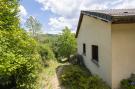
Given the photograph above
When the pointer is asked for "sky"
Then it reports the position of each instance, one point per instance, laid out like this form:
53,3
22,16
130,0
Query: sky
54,15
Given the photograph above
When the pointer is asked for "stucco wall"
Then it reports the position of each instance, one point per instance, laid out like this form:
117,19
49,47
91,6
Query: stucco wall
123,52
96,32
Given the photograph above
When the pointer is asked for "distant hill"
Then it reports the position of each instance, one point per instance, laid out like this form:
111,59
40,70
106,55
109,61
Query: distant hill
47,37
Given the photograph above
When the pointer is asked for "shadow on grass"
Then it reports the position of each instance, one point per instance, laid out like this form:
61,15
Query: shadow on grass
78,77
69,69
59,72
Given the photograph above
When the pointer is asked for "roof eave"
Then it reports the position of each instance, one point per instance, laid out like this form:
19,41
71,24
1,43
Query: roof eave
104,17
123,19
79,25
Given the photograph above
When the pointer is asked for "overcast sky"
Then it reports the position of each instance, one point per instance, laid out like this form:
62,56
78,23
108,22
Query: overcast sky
54,15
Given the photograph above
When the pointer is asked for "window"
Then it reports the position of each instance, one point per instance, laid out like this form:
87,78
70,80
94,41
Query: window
95,53
84,49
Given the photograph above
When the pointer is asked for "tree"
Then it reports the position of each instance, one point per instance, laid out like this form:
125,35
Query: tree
8,14
19,61
33,25
66,43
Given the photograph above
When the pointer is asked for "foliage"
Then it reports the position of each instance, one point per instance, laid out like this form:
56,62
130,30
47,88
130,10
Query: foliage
75,77
33,25
46,52
8,14
19,60
128,83
66,43
51,40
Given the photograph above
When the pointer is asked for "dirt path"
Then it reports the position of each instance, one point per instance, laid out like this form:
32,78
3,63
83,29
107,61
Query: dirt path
54,82
49,76
50,82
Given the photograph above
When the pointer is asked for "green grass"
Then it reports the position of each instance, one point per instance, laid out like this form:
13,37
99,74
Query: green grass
50,70
49,74
76,77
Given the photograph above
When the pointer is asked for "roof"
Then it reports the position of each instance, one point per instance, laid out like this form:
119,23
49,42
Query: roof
114,16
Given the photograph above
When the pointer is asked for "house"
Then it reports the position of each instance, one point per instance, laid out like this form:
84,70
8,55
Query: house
106,39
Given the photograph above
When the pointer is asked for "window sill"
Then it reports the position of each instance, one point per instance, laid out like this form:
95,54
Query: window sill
95,62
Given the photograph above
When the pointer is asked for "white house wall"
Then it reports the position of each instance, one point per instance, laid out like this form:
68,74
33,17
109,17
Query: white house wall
123,52
96,32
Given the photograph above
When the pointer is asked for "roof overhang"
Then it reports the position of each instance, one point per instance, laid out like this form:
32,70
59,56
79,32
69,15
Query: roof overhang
114,19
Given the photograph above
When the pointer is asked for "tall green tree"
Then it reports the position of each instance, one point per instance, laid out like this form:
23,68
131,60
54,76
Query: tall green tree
8,14
66,43
19,60
33,25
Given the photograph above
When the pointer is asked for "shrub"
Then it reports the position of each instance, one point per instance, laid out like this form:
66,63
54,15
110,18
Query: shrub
128,83
46,52
19,60
96,83
76,77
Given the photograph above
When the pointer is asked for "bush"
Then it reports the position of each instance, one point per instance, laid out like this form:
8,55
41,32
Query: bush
75,77
128,83
46,52
19,60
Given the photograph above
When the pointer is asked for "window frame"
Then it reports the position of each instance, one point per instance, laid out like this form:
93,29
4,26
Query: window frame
95,54
84,49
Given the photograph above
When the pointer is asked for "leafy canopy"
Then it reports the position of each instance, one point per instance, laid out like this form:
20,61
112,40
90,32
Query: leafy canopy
8,14
19,61
66,43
